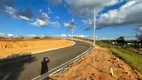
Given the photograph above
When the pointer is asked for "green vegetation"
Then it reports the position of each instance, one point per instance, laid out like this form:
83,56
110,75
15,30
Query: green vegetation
47,37
131,58
37,37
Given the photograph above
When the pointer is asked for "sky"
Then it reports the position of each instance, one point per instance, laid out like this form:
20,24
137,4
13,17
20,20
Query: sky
58,18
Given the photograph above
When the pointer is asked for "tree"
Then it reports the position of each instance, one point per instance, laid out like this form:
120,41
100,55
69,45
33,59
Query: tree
139,38
21,37
47,37
36,37
139,41
121,40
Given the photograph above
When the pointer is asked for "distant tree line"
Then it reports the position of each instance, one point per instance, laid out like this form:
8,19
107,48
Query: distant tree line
22,37
135,43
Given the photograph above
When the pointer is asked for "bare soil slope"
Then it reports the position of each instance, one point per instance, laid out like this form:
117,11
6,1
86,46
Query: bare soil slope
9,46
96,66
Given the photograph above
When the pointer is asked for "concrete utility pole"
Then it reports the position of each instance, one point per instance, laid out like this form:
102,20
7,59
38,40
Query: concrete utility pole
94,29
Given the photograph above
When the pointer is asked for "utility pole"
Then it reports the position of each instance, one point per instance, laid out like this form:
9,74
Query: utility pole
94,29
72,34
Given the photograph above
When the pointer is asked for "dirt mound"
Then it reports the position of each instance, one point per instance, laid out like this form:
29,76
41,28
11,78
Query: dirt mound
18,46
97,65
15,44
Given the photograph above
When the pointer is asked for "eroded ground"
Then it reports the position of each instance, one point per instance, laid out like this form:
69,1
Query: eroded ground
9,47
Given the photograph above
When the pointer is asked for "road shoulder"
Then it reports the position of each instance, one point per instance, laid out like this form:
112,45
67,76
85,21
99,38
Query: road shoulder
99,65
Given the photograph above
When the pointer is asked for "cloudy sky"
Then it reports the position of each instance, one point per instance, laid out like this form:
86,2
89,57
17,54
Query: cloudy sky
31,18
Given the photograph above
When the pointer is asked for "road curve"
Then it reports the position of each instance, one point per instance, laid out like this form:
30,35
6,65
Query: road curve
29,70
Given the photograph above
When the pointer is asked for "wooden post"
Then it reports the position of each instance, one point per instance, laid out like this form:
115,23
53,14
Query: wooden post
111,70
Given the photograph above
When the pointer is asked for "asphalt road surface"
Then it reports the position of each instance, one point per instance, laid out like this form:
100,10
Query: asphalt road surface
26,70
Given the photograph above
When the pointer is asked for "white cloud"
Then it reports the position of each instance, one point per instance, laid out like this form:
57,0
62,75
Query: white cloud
106,38
129,14
9,35
18,14
42,35
71,25
54,1
55,24
89,22
42,21
69,35
11,11
139,30
39,22
49,11
61,35
40,10
31,35
24,18
67,24
86,7
2,34
57,17
81,36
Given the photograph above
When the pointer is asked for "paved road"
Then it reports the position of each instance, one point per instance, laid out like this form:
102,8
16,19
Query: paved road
27,70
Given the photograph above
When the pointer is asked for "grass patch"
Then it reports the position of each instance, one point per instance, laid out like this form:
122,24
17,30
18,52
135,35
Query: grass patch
131,58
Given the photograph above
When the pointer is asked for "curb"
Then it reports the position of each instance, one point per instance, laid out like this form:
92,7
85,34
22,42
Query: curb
52,49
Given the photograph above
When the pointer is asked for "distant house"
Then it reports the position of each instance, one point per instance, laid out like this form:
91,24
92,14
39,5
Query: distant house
114,43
